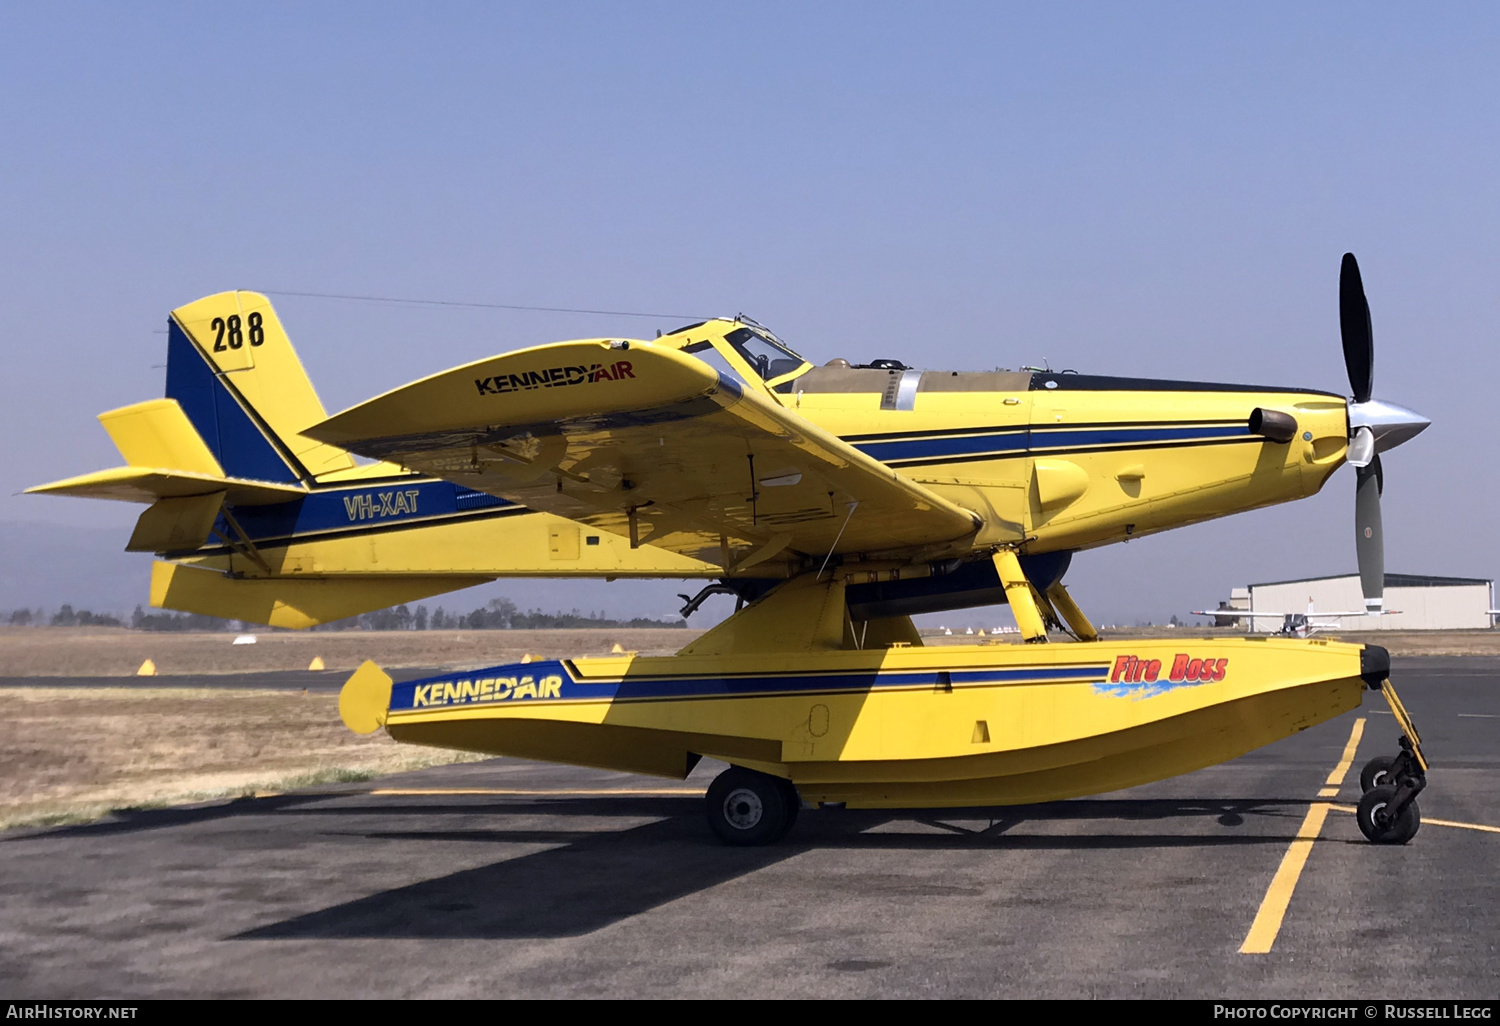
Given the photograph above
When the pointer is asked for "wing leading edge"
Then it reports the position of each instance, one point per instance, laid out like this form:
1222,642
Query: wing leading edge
650,443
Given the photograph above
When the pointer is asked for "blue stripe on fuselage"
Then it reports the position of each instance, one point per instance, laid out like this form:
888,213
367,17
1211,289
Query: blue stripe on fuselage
1035,439
402,502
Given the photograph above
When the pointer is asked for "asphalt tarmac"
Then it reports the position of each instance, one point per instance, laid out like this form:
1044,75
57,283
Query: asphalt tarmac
514,879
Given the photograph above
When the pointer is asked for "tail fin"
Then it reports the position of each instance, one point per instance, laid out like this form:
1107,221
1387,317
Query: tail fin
232,369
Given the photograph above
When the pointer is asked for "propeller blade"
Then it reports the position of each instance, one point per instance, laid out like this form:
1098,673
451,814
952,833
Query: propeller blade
1369,541
1354,325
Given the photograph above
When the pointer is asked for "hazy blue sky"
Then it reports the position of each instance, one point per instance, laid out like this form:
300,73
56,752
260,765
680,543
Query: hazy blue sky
1158,189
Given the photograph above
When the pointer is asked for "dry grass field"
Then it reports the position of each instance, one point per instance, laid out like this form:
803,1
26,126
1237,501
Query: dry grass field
75,753
118,652
71,754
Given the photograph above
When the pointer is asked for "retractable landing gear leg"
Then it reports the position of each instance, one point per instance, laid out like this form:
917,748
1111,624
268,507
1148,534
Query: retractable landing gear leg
1021,596
1388,812
1064,604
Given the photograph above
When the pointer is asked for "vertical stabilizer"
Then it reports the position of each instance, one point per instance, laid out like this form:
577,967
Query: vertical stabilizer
232,369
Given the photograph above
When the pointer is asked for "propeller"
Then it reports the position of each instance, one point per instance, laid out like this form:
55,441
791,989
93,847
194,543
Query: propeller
1374,426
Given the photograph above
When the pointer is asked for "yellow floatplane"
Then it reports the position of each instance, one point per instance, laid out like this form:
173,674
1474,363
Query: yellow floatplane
833,502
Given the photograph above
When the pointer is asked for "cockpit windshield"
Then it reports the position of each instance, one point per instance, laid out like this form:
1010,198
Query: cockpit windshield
769,358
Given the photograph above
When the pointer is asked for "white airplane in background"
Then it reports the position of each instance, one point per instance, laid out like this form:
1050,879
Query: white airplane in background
1299,625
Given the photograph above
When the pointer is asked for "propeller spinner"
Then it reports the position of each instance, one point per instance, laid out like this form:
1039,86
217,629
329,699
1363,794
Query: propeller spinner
1374,426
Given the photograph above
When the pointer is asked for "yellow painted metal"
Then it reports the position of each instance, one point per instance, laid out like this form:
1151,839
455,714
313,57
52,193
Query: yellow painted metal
1059,483
1019,593
664,444
174,525
364,699
158,434
517,545
1130,492
290,602
920,744
806,614
562,541
1403,718
144,484
1064,604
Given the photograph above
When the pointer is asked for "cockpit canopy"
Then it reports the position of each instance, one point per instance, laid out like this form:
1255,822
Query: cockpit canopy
764,353
766,356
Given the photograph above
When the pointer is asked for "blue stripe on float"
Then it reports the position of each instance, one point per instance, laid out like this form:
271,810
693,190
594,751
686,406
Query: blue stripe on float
549,680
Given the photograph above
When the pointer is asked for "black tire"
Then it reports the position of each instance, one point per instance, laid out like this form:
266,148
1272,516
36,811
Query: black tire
794,806
1376,823
1376,772
746,808
1413,820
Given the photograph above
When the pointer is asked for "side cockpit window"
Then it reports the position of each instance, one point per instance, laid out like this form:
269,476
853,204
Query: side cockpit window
768,359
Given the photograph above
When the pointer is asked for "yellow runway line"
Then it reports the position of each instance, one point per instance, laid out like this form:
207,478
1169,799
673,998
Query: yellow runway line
661,792
1432,822
1278,897
1336,778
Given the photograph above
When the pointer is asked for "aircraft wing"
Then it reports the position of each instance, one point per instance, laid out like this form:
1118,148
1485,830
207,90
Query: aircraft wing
652,444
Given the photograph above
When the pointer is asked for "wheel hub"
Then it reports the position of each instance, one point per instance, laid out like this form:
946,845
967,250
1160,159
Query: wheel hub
743,809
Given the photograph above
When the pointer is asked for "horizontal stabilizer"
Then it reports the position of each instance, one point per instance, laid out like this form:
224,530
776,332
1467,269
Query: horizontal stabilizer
150,484
168,462
158,434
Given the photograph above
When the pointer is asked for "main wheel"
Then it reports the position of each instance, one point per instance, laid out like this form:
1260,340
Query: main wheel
1378,824
747,808
793,805
1376,772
